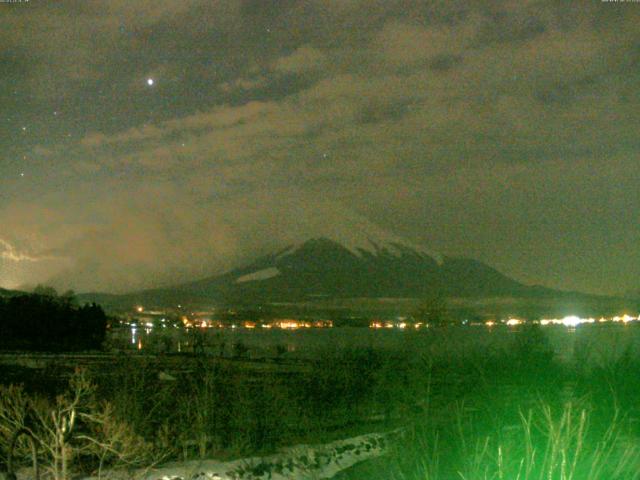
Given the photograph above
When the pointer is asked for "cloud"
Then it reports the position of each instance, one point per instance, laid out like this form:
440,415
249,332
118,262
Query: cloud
141,12
64,52
442,46
243,84
9,252
304,59
21,266
423,116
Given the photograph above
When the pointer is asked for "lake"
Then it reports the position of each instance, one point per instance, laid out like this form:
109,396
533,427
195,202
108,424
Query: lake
590,343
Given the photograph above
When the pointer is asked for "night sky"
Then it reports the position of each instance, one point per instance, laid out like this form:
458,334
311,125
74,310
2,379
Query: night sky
145,142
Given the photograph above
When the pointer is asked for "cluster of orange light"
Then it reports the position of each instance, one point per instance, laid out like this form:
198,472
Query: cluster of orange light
291,324
287,324
377,324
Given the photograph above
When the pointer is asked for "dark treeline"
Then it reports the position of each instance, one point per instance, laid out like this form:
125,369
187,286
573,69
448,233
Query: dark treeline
48,322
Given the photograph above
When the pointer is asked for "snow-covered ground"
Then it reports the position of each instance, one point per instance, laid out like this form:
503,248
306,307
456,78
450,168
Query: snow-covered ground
300,462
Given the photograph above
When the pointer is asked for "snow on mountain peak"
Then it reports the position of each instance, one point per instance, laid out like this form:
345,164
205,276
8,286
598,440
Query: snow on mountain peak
349,229
361,244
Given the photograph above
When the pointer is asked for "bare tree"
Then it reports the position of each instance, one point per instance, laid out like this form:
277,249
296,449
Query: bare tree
72,425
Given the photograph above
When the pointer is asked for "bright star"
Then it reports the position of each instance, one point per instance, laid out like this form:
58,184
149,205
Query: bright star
150,81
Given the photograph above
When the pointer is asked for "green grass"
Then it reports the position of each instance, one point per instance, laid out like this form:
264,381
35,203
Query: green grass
549,442
518,415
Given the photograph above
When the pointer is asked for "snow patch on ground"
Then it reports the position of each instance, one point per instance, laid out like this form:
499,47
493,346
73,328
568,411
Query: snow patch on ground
301,462
259,275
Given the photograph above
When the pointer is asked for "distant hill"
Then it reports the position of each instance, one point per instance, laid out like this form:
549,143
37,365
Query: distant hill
10,293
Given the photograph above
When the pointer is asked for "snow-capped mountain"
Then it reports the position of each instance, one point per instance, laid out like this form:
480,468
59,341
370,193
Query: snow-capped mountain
321,267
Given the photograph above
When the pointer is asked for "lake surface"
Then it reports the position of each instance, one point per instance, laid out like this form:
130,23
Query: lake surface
589,343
